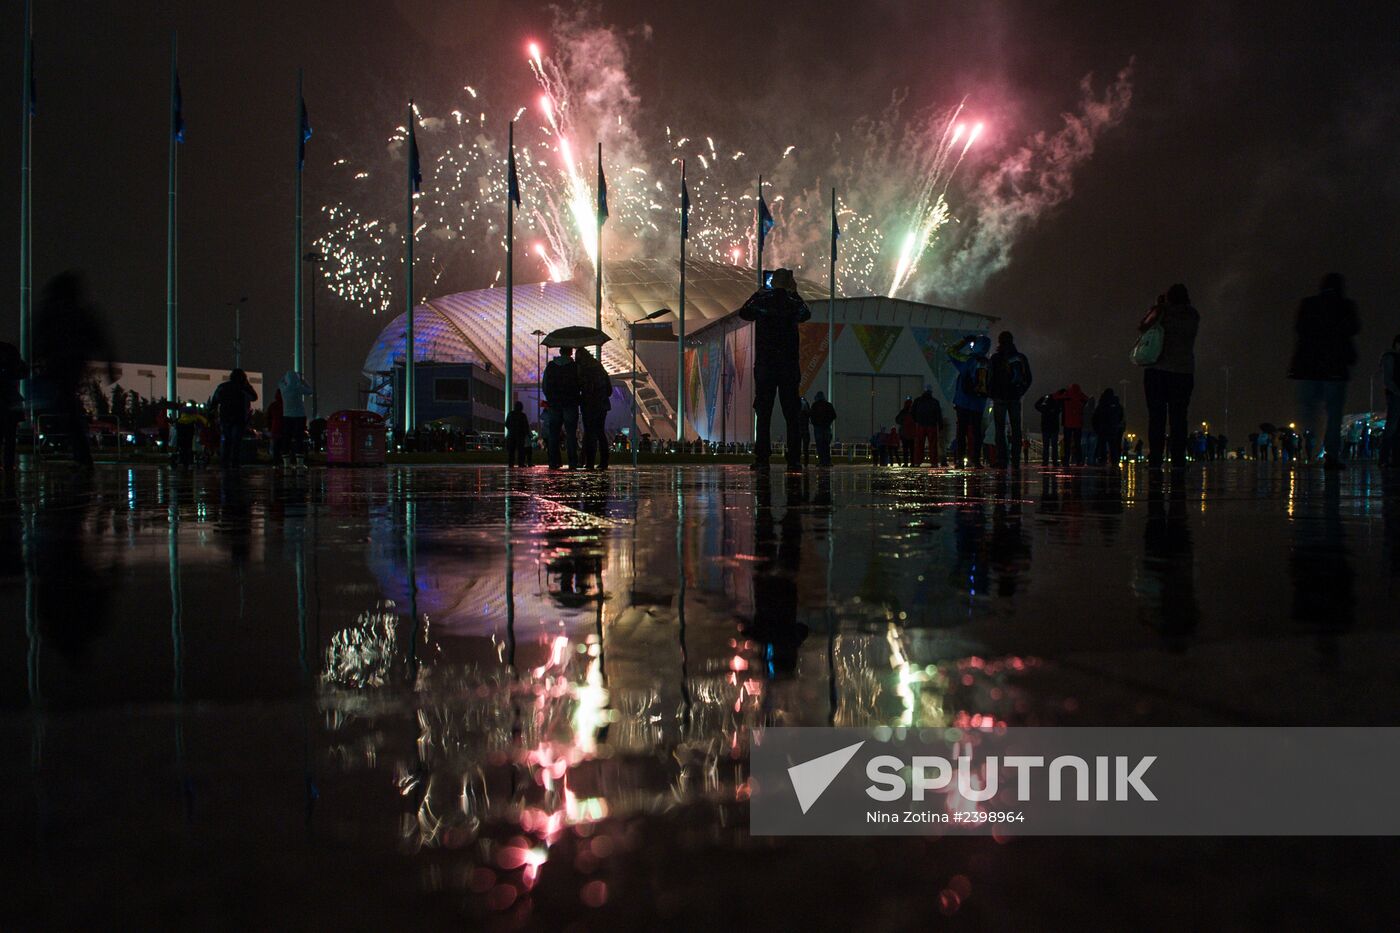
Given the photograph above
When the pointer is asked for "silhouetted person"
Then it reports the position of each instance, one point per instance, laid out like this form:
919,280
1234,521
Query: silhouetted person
232,403
295,391
1072,401
562,392
908,431
823,416
969,357
1049,410
517,436
595,399
1108,428
1168,382
804,430
776,311
13,370
1322,359
928,419
68,333
1390,379
1010,379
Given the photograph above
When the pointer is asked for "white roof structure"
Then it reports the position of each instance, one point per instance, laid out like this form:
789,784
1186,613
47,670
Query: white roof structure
470,326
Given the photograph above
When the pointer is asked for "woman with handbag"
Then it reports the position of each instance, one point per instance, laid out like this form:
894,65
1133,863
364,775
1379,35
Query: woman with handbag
1171,373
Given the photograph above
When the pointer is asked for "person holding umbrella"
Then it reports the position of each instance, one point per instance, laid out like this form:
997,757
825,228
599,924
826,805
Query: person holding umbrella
563,392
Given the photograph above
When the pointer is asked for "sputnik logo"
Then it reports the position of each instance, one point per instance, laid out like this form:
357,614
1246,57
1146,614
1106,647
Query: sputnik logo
811,778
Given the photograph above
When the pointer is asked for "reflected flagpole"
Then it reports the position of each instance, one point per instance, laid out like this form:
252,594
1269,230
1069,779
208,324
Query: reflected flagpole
831,309
172,277
512,202
26,219
415,183
680,338
303,134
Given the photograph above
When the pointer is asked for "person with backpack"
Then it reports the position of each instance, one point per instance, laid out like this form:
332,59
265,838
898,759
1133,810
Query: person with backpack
232,401
928,419
1072,401
969,357
13,371
1108,428
1049,410
563,393
823,416
1010,378
1168,381
1326,326
595,399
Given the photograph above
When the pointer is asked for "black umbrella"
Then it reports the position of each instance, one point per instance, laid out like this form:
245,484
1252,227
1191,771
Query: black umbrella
575,337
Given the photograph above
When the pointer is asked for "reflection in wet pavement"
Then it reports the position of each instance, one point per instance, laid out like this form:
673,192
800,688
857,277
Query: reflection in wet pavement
526,700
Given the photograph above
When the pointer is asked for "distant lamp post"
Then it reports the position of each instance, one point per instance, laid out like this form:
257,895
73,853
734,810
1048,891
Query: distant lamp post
539,336
237,307
314,259
632,376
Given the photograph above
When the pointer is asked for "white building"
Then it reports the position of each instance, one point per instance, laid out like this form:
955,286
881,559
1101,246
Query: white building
148,380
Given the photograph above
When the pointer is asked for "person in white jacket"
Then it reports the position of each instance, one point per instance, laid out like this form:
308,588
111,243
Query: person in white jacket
295,390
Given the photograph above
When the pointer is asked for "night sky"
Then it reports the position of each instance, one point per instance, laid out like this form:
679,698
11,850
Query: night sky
1259,152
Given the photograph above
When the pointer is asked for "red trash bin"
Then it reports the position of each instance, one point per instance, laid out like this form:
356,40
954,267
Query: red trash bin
355,438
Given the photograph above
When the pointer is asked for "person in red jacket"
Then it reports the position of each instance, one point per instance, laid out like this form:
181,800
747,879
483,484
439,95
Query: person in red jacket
1072,412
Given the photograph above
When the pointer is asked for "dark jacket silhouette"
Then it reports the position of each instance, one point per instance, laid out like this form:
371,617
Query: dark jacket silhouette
561,383
1326,325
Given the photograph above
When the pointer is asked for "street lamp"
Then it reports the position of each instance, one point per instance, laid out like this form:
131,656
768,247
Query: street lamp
237,307
632,376
539,336
314,259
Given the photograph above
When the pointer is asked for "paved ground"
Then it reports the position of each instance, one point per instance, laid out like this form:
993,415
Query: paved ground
445,695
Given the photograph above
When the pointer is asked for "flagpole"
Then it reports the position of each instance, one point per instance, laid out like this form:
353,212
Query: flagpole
26,226
758,225
831,311
598,266
510,288
296,255
410,412
680,338
172,299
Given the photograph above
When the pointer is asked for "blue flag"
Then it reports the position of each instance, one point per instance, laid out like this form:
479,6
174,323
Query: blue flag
685,206
765,221
602,193
512,180
415,167
835,233
177,112
303,134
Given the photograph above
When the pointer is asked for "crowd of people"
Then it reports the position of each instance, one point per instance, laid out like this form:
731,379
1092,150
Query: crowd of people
1076,428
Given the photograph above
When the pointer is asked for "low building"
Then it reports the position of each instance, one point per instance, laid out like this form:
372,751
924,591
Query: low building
192,384
466,396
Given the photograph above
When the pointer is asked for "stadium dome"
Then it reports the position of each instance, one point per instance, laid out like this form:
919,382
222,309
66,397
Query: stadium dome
470,326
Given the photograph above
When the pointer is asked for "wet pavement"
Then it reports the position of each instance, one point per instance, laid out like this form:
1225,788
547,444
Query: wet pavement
449,696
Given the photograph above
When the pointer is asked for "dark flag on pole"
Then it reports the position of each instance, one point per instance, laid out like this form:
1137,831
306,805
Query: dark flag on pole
303,136
685,206
835,231
415,167
512,180
177,114
602,192
765,221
